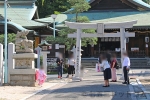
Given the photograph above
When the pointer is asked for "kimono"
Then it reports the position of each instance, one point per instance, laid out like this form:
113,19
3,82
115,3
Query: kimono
40,76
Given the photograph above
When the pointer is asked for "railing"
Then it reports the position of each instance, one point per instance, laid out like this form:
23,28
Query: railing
135,62
132,54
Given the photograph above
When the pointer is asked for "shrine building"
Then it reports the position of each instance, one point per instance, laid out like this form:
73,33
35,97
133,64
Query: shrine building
103,11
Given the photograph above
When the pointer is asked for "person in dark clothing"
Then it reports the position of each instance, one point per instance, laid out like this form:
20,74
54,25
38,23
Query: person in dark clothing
99,58
126,67
59,62
71,64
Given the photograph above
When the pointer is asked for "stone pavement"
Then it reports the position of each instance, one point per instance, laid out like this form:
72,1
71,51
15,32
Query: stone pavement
89,88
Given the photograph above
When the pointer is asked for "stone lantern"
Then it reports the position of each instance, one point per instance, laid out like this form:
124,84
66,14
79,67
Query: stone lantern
45,50
44,45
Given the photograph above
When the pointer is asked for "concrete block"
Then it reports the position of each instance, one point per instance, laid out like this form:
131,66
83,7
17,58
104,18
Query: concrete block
26,77
15,77
25,55
23,71
22,80
12,83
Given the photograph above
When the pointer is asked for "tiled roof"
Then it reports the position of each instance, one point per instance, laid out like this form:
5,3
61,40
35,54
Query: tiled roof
21,12
141,4
142,17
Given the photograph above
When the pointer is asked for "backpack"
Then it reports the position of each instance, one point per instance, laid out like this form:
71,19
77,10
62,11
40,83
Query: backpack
117,65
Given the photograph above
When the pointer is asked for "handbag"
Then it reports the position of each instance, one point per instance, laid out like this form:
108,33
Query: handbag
97,68
117,65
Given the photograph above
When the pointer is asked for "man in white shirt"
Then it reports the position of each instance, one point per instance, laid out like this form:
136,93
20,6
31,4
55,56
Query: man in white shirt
126,67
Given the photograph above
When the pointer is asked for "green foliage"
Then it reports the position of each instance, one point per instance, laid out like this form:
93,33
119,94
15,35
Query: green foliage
147,1
69,42
48,7
10,38
79,6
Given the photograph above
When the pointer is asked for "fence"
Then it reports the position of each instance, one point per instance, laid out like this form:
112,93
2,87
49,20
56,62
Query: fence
132,54
135,62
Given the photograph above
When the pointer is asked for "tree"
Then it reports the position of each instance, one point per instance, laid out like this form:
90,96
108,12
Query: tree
10,38
69,42
79,6
48,7
147,1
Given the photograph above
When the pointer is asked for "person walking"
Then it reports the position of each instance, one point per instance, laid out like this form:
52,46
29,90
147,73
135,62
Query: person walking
71,64
126,67
59,62
113,68
107,71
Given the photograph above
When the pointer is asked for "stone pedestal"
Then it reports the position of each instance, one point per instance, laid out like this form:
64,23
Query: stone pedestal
23,73
24,60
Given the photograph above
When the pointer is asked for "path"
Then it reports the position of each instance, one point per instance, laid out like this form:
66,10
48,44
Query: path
89,88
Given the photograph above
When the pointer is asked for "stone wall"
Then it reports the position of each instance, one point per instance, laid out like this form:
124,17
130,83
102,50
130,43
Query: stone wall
22,79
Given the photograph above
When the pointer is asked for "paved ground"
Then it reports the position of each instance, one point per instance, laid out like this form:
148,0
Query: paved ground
89,88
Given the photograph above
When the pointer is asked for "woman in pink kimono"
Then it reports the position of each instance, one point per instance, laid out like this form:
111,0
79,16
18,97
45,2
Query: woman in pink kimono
41,76
113,68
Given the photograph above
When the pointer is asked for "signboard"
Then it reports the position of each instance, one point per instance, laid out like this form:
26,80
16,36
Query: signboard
61,46
56,46
110,39
51,60
51,64
134,49
117,49
106,39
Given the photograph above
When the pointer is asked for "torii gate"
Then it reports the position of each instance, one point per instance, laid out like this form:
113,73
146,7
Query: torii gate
100,33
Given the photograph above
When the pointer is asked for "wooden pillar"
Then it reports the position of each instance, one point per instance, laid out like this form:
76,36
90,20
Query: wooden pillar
92,50
127,47
37,41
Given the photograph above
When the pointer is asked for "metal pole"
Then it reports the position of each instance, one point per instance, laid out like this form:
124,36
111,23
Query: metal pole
54,28
5,29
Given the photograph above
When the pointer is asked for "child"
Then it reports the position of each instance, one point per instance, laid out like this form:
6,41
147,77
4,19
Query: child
41,76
